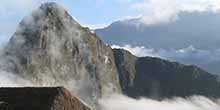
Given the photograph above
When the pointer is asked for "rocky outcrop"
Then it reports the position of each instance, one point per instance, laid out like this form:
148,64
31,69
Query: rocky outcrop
157,78
53,98
50,48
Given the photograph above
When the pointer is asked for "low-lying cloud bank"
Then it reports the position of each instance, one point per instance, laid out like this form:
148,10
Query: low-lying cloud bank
206,59
119,102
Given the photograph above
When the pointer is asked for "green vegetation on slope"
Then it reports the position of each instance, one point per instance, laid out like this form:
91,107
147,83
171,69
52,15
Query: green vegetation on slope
157,78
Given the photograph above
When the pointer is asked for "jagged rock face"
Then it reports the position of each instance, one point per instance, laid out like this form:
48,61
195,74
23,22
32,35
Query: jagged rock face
157,78
53,98
50,48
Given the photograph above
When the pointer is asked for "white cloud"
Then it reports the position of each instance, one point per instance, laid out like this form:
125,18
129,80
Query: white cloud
172,54
95,26
12,80
118,102
138,51
215,5
157,11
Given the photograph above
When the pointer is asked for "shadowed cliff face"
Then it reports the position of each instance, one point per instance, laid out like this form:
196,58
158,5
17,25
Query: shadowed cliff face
157,78
125,63
50,48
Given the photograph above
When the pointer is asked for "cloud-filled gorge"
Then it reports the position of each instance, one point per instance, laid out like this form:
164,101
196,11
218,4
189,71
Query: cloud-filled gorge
118,102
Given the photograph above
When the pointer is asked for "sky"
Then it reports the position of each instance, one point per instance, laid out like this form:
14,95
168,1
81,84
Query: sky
100,13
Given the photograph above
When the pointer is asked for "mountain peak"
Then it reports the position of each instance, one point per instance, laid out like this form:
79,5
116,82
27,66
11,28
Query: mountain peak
52,8
51,5
47,14
50,47
50,21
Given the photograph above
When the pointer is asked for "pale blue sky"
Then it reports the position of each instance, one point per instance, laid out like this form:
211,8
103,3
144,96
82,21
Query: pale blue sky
95,12
99,13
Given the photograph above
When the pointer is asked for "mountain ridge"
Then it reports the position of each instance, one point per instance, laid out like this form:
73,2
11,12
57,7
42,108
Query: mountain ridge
191,28
158,79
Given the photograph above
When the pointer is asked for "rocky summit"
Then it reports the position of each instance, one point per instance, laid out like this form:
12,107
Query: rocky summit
51,48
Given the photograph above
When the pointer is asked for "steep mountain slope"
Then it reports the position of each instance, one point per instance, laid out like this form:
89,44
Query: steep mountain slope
157,78
50,48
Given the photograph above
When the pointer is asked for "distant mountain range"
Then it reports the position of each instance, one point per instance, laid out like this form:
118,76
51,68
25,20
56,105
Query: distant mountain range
199,30
196,28
50,48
